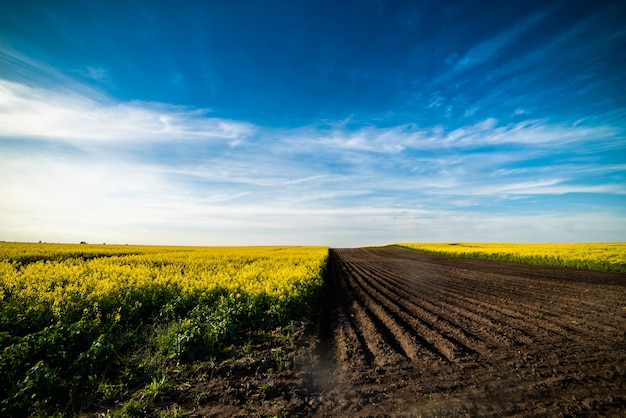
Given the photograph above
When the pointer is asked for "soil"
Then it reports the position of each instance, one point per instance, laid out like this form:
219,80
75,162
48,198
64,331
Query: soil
400,333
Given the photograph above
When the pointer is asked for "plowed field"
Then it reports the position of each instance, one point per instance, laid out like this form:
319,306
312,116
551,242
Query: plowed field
404,333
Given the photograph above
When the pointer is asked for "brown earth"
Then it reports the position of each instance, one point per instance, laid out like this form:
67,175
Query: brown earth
402,333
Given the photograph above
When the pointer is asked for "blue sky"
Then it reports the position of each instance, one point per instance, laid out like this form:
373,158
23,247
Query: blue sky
342,123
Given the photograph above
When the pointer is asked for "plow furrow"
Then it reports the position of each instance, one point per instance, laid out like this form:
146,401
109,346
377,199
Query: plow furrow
443,337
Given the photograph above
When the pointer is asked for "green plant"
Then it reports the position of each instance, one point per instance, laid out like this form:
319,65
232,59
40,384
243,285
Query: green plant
80,326
174,412
157,388
264,388
110,392
132,409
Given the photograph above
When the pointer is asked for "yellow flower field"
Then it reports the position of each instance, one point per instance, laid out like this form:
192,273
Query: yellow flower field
595,256
68,278
73,316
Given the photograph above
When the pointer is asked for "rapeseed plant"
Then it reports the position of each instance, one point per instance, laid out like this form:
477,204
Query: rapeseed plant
69,313
609,256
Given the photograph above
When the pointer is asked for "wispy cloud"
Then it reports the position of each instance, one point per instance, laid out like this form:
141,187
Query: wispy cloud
335,184
540,133
487,49
509,127
98,74
43,113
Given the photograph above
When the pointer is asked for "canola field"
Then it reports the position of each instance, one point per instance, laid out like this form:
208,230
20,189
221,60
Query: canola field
72,315
593,256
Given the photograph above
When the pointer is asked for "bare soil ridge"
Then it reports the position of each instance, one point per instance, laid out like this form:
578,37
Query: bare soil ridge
413,334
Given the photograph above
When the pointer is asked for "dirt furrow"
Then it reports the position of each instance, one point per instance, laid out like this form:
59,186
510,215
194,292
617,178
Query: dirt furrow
556,296
353,345
492,328
558,314
416,321
394,333
518,312
539,341
435,318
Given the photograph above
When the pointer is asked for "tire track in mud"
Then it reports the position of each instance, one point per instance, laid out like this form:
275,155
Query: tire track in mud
444,336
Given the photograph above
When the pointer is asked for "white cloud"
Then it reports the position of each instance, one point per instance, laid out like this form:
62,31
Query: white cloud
540,187
97,73
470,111
363,143
144,174
38,112
487,49
543,227
529,132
